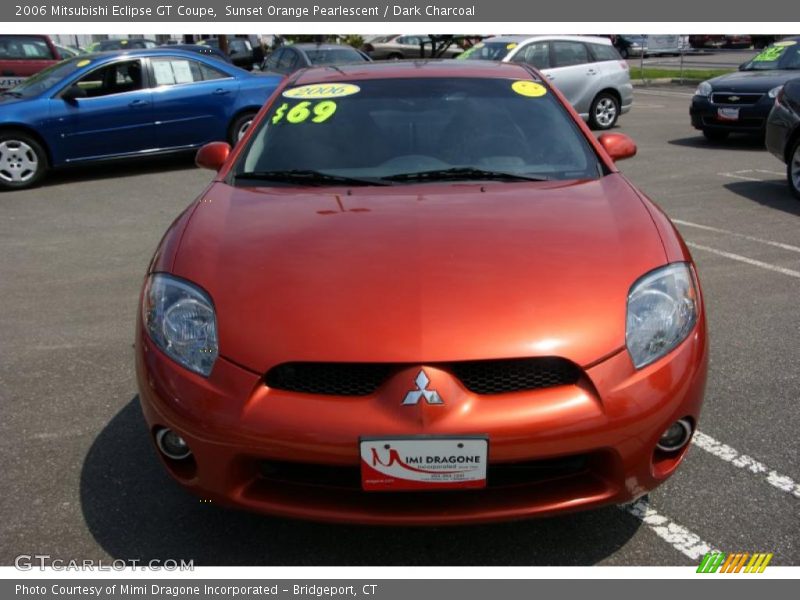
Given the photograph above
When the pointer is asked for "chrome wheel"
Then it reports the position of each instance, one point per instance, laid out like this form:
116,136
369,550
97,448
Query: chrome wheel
243,127
18,161
605,112
794,170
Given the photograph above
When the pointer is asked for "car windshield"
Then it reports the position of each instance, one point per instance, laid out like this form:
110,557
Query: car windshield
48,78
404,130
488,51
781,56
334,56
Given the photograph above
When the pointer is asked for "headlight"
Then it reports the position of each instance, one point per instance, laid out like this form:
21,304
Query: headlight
704,89
180,320
662,309
773,93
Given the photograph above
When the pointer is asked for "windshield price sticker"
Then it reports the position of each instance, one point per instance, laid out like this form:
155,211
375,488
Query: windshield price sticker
530,89
319,91
300,113
770,54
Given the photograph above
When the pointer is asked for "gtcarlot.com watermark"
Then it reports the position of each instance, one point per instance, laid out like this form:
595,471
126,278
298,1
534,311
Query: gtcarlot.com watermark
29,562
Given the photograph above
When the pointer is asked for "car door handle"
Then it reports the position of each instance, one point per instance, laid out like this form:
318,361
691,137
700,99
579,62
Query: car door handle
137,103
550,77
221,92
591,72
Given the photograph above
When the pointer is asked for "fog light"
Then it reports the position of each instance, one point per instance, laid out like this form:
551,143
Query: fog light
676,436
172,445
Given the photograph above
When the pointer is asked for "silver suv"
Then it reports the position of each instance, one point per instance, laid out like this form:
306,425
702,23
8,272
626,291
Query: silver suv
587,70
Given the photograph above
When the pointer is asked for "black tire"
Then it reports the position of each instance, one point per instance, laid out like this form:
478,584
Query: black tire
394,56
239,126
604,111
23,160
793,169
715,135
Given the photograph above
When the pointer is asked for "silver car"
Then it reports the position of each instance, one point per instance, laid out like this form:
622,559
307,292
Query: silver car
587,70
393,47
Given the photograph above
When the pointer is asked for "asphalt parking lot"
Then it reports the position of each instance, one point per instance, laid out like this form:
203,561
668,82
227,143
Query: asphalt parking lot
81,480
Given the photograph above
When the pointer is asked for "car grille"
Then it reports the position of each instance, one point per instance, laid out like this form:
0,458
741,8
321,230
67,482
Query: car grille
480,377
497,475
734,99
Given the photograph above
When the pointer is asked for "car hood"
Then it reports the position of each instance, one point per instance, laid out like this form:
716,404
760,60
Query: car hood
752,81
421,273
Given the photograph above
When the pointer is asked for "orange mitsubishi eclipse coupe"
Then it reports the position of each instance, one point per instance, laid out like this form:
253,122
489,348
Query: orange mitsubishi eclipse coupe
420,293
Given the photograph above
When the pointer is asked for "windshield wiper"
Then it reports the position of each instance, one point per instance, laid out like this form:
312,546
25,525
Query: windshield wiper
464,173
308,177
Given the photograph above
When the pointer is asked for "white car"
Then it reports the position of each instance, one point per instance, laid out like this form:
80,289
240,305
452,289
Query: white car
587,70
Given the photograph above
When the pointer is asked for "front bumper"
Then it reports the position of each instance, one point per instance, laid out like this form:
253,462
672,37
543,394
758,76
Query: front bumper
752,117
595,440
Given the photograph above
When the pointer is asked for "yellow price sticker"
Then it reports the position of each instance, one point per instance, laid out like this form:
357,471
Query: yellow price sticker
531,89
511,46
785,43
82,63
300,112
319,91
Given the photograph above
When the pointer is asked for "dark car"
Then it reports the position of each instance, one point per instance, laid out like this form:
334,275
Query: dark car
740,102
24,55
288,59
209,51
121,105
242,52
783,131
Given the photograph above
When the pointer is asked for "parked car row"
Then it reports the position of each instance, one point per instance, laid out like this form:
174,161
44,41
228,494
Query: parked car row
760,99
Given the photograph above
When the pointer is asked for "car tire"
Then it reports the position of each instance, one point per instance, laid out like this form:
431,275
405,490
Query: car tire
714,135
239,126
394,56
604,111
23,160
793,169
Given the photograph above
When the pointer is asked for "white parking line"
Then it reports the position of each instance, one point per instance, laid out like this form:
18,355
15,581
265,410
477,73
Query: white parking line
677,536
744,259
743,461
740,175
739,235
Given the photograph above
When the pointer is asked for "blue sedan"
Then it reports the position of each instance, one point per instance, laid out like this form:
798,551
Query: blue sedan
123,104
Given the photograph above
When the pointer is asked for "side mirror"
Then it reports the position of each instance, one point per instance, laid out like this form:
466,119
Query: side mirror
618,145
73,92
212,156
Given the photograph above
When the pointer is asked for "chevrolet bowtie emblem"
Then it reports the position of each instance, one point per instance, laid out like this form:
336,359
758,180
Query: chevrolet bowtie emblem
422,391
734,98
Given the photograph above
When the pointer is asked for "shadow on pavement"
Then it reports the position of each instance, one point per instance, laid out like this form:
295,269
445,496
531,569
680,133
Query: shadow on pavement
135,511
118,168
773,194
733,142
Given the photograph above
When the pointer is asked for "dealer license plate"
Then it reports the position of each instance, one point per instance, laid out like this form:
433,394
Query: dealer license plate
423,463
728,114
6,83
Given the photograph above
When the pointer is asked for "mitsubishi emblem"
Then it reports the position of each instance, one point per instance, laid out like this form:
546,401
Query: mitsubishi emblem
422,391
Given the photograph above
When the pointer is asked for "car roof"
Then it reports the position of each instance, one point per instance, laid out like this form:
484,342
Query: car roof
401,69
310,46
141,52
520,39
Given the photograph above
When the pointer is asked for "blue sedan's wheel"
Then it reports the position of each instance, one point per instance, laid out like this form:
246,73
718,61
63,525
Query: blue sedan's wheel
793,169
239,127
22,161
